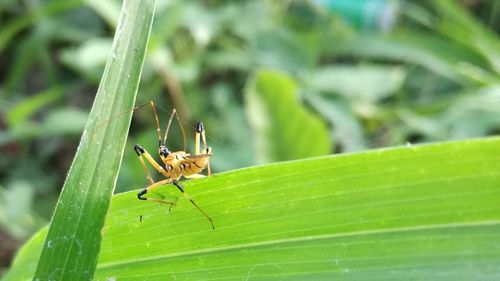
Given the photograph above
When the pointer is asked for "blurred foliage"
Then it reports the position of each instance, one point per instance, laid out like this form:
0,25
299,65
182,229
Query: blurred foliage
434,77
283,129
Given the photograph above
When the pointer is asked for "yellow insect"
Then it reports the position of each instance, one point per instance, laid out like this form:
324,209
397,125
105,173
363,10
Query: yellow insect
175,165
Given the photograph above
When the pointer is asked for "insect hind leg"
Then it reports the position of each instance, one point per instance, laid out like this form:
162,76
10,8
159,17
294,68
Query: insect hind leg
200,134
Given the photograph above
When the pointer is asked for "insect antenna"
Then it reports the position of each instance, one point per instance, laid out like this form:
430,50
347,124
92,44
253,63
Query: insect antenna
105,122
174,112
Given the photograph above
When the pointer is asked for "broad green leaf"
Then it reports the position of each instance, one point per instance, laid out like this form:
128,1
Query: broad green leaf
74,237
428,212
283,128
378,82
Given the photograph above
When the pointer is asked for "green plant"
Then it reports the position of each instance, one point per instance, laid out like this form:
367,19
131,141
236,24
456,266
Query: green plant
434,78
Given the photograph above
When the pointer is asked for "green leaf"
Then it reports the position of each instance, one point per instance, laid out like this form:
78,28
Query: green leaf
438,54
89,58
407,213
347,130
24,265
16,216
108,10
458,24
20,23
474,114
73,240
64,121
378,82
26,108
283,129
279,50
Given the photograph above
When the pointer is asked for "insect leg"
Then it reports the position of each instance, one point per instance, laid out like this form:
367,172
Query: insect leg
153,186
176,183
200,133
142,153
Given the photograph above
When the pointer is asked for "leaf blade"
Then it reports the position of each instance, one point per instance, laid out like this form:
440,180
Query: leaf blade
418,194
73,240
410,212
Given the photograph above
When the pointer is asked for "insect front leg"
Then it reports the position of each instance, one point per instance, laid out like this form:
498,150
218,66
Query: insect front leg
142,153
153,186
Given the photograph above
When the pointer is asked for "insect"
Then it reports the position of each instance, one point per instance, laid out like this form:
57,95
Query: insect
175,165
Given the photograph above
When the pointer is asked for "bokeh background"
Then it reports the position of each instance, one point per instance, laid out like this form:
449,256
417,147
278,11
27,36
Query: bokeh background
374,73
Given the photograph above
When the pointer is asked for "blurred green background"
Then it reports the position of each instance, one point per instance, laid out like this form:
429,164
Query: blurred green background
271,80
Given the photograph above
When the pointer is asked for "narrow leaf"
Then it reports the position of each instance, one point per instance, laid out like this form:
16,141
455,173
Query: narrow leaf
458,24
445,57
73,241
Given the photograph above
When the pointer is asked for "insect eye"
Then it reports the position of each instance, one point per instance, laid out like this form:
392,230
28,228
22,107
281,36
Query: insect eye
164,151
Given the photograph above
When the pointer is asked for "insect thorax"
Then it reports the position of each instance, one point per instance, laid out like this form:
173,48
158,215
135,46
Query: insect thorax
180,164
